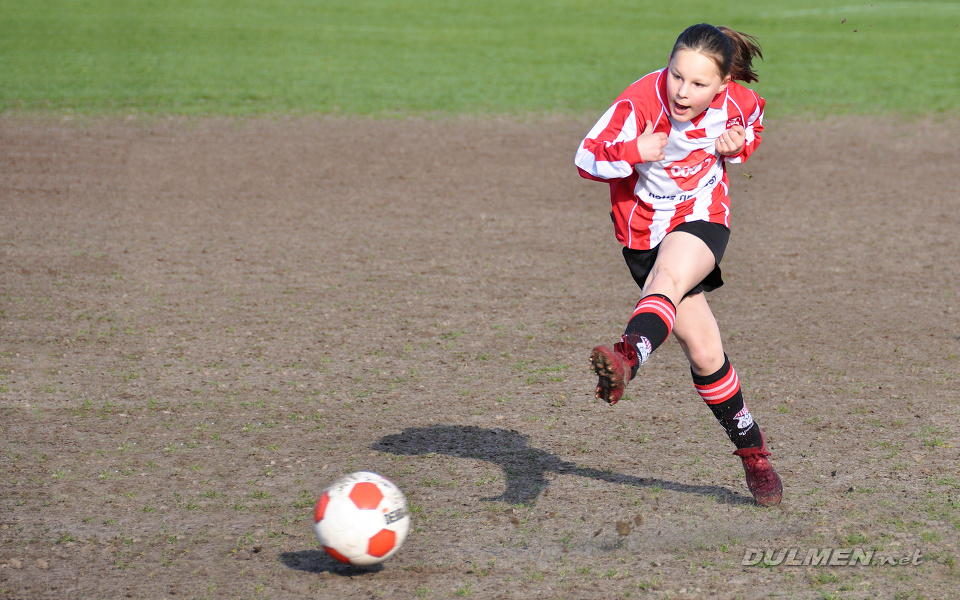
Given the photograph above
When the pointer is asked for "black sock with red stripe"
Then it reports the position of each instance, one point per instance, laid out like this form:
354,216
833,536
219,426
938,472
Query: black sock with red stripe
721,392
650,326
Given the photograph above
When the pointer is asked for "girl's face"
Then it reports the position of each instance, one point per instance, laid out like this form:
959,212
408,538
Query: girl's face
693,81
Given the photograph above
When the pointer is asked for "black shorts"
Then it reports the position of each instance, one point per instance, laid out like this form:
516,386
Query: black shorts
714,235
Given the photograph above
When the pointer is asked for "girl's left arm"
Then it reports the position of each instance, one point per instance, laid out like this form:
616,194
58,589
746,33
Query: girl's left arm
751,133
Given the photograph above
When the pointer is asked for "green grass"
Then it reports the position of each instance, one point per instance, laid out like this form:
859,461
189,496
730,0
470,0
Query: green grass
396,57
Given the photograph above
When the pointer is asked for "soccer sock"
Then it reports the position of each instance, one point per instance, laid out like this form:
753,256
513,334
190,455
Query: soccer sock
649,326
721,392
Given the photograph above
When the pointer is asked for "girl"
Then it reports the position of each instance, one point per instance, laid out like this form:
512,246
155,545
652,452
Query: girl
663,148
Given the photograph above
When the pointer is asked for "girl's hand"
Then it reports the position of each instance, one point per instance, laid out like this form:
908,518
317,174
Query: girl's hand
730,142
651,144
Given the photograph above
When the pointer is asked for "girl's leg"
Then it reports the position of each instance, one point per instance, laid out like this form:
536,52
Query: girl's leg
718,385
714,377
699,335
683,260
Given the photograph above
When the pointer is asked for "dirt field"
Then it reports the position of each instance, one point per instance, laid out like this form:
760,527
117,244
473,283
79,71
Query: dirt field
205,321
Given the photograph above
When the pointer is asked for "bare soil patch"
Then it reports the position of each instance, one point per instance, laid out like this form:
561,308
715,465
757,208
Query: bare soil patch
202,322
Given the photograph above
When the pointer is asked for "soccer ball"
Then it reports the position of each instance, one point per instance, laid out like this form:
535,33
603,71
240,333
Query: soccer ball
361,519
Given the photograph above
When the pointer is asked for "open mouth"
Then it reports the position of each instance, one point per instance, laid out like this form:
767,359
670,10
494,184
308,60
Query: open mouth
679,108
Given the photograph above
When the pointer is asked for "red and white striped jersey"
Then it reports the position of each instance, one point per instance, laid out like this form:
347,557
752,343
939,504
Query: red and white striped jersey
690,183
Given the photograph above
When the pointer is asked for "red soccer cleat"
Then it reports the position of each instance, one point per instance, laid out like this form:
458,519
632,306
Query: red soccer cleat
613,367
762,479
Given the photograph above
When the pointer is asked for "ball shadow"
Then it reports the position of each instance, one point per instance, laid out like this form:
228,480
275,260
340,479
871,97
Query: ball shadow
318,561
524,468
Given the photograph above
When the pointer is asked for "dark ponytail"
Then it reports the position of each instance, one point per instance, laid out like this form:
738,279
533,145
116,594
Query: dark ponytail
732,51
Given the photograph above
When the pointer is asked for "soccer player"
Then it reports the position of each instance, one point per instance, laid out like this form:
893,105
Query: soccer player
663,147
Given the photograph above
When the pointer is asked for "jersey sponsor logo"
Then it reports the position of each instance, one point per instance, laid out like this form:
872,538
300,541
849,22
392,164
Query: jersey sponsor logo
734,122
688,172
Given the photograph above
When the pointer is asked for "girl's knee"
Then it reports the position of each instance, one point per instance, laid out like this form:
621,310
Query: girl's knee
705,360
664,281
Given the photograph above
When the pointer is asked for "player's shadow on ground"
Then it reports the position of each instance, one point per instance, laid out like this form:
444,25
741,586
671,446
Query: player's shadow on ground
318,561
524,468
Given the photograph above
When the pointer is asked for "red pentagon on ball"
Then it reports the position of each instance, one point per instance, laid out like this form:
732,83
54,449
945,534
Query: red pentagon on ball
321,507
336,555
382,543
366,495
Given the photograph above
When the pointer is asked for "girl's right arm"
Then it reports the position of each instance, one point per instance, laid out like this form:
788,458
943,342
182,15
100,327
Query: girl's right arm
610,149
614,145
